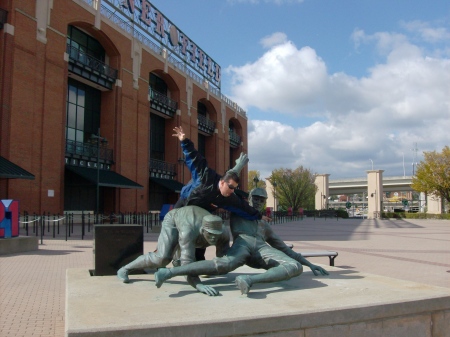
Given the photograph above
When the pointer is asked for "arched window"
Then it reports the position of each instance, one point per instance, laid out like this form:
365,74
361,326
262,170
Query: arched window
80,42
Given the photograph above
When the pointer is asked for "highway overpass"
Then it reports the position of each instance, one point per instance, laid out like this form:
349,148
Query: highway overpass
359,185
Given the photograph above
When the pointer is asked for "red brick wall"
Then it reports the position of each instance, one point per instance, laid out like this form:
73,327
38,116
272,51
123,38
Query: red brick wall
33,92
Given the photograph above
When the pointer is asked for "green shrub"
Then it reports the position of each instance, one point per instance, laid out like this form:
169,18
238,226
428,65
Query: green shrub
342,213
417,215
404,215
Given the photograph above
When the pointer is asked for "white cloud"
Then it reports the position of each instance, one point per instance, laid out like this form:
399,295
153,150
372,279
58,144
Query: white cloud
385,42
427,32
403,101
273,40
283,79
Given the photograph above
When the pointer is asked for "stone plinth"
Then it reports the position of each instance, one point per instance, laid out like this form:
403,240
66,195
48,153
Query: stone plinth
18,244
116,246
346,303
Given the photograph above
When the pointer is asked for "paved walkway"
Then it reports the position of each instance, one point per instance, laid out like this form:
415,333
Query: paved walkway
32,285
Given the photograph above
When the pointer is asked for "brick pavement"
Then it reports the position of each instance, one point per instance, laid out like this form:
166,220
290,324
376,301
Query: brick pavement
32,284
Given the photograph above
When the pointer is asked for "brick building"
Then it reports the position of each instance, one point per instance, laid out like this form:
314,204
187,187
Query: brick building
90,92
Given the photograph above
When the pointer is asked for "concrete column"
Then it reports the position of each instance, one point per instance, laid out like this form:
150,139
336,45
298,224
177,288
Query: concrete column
322,192
98,14
422,202
43,11
374,193
434,204
271,201
136,55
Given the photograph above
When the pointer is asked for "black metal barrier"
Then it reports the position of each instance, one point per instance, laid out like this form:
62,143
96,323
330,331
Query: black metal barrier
79,224
324,213
284,216
40,224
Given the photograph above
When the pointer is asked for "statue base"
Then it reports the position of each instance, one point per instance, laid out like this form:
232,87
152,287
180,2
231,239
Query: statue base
18,244
345,303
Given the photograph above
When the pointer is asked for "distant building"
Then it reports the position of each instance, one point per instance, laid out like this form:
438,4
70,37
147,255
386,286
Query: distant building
343,197
105,82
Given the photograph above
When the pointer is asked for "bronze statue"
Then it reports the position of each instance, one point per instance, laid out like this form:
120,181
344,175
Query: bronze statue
184,229
254,244
210,190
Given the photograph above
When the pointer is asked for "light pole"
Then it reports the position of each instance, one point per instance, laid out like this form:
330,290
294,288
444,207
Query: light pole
104,141
274,184
256,180
404,172
363,200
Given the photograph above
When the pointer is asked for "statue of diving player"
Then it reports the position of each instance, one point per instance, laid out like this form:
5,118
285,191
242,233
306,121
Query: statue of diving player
254,244
183,229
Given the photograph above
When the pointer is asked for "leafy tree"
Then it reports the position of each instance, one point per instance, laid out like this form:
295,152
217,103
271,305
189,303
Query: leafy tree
433,174
294,188
251,180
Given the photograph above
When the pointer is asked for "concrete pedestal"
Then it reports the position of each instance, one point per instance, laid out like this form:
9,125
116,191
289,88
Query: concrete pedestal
345,303
115,246
18,244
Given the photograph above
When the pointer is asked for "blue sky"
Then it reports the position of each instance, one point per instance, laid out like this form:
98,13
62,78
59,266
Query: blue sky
333,86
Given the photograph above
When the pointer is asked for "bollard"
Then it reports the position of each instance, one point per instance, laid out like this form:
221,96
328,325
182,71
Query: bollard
42,229
26,223
35,225
82,225
65,227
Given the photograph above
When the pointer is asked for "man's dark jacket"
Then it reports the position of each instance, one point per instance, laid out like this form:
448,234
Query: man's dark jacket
203,189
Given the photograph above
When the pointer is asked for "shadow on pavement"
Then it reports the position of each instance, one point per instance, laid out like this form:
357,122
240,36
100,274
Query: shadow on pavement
52,252
395,223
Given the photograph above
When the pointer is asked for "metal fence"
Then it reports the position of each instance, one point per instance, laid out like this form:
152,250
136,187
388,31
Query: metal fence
282,217
90,150
324,213
286,216
80,224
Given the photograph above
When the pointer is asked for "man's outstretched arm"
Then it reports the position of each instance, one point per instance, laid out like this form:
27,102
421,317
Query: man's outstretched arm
196,163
